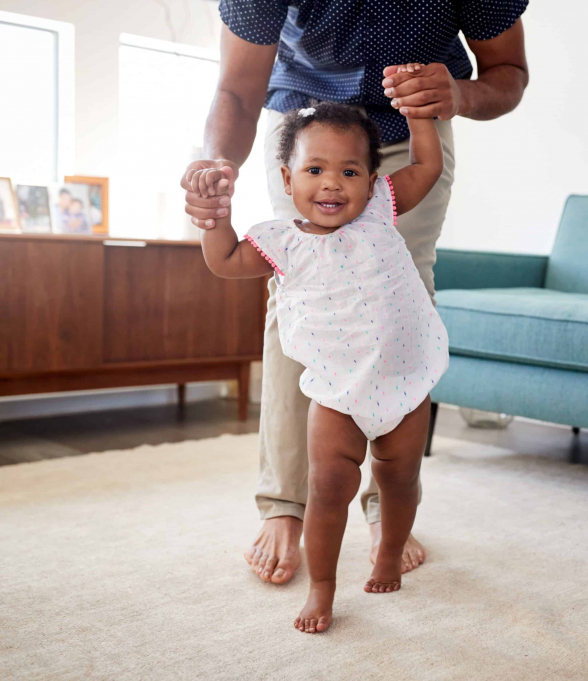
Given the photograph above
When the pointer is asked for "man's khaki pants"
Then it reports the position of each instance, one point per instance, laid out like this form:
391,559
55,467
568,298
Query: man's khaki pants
282,484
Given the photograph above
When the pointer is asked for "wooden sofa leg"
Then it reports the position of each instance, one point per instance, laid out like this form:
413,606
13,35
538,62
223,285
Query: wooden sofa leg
432,420
575,430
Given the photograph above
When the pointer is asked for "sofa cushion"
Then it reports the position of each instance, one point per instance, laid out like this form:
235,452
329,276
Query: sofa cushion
528,325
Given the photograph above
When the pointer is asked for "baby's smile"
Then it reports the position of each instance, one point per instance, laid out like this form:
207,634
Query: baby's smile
330,207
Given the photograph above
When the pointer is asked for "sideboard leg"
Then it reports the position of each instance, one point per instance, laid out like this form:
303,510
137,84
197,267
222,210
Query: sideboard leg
181,395
244,370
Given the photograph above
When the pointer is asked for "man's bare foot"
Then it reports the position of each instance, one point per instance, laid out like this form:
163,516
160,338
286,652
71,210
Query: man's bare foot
386,575
412,556
317,614
275,553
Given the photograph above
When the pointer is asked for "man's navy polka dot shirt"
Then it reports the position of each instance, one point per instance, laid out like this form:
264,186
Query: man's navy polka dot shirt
337,49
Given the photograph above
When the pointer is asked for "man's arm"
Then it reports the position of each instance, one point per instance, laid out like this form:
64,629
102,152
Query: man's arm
245,69
502,78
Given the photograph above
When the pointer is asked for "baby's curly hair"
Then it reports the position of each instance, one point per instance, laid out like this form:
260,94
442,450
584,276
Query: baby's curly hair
337,115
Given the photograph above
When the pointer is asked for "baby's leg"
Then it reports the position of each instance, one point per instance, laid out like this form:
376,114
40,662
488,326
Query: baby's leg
396,465
336,449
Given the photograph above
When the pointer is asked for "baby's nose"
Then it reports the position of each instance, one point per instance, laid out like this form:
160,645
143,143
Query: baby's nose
331,182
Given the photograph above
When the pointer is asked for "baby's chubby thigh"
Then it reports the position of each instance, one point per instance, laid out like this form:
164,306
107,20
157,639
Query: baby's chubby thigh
336,449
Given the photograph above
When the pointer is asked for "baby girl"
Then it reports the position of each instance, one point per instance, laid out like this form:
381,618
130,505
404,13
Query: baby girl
353,310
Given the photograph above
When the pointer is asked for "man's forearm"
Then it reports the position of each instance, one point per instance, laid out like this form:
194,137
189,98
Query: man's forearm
230,130
497,91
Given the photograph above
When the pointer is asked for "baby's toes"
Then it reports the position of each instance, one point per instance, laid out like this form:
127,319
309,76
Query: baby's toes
297,623
323,624
312,628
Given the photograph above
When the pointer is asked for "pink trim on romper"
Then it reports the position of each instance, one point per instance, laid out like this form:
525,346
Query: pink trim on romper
389,181
271,262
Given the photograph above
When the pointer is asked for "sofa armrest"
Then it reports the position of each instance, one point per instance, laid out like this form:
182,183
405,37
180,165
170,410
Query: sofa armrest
479,269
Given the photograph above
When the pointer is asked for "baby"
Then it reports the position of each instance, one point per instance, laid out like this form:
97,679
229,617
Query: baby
353,310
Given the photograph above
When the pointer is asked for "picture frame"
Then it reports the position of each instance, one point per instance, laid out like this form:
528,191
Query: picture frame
9,217
97,193
34,208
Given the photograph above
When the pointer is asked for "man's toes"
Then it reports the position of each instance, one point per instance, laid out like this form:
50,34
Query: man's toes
261,564
269,568
323,624
282,574
256,558
250,554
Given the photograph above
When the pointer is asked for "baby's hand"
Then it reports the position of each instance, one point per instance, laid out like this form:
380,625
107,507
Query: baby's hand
413,69
213,182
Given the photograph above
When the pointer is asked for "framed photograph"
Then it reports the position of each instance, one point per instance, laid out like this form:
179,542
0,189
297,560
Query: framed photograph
70,204
8,206
95,191
33,208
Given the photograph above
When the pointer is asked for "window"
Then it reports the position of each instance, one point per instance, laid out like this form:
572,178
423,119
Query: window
37,131
166,90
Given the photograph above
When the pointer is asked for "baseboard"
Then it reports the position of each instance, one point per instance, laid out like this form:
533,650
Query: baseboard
56,404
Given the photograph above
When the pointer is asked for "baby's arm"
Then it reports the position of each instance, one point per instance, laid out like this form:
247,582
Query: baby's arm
224,254
413,182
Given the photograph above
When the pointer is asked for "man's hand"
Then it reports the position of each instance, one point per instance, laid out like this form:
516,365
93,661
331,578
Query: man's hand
203,202
422,91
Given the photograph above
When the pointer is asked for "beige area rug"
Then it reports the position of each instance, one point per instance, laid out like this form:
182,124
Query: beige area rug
128,565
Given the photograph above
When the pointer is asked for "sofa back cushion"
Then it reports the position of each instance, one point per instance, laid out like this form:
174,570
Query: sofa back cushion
567,269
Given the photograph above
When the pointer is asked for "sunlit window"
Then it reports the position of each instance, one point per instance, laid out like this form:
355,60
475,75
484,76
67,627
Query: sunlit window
166,90
36,135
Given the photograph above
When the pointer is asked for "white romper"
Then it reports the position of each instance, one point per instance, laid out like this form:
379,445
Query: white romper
354,311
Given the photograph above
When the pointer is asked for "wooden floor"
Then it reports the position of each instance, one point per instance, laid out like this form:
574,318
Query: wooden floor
72,435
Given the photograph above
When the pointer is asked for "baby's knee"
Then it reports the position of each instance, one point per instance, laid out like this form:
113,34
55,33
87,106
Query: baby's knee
333,485
403,469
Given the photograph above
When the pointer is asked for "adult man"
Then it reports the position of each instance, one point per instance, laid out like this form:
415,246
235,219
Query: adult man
338,50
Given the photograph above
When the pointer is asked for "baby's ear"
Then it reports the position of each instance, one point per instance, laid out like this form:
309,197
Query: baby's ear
373,178
287,177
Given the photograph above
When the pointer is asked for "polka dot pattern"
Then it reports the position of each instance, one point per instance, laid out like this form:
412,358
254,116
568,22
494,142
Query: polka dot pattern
337,49
354,311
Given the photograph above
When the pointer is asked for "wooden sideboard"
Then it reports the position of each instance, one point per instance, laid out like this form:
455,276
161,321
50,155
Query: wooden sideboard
80,313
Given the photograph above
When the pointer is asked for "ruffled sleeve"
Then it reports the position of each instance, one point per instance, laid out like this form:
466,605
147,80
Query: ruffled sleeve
271,241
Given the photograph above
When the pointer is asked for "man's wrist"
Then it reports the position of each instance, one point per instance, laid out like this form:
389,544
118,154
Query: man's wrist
466,105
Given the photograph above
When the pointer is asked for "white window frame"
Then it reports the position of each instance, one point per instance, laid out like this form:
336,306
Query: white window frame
64,144
169,47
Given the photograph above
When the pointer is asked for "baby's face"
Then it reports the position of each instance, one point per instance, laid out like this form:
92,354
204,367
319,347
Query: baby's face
329,177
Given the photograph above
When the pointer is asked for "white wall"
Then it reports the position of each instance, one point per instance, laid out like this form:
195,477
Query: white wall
513,174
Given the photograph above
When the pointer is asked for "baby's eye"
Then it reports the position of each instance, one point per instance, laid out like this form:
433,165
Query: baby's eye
315,171
349,173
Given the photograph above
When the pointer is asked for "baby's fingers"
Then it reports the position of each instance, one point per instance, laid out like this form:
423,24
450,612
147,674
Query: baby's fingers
410,68
206,181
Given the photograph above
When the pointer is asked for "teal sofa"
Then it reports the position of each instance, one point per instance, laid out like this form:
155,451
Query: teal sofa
518,328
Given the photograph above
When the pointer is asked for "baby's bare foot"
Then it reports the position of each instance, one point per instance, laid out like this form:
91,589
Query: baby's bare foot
387,573
317,614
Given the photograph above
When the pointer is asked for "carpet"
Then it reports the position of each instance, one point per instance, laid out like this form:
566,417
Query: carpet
128,565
